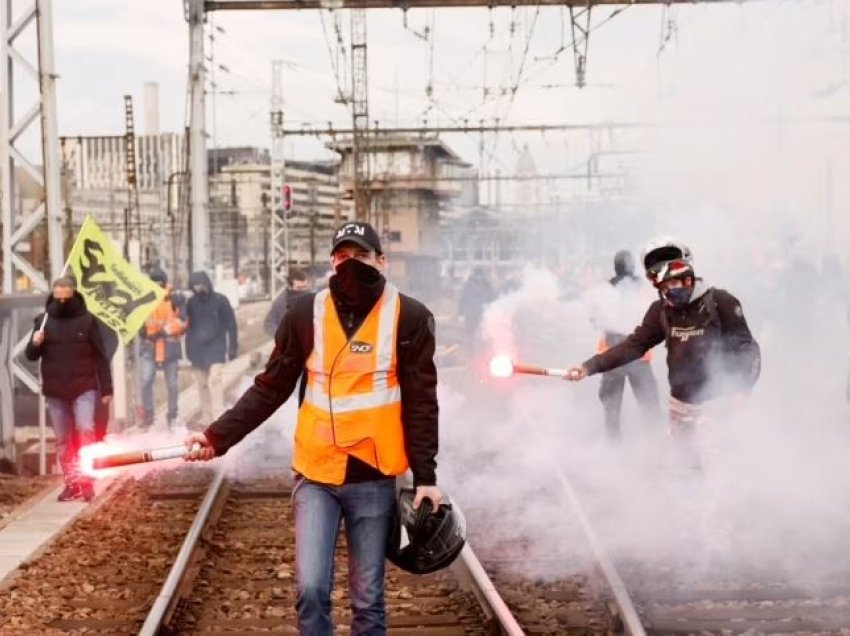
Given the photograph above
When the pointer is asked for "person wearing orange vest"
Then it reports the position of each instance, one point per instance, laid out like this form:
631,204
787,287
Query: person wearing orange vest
638,372
161,349
368,412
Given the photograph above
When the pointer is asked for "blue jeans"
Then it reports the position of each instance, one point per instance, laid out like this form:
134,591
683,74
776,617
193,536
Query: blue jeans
368,509
69,417
149,367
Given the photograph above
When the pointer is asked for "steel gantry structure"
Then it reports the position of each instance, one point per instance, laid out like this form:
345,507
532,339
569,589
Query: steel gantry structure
195,12
23,229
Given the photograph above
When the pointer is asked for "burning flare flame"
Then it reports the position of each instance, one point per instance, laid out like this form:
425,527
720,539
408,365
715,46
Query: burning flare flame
501,366
89,453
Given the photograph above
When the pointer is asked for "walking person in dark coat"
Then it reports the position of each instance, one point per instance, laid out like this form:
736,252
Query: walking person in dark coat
638,372
298,286
211,340
75,374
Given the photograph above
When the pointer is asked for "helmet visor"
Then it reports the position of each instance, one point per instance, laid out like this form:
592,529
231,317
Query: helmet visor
661,255
667,270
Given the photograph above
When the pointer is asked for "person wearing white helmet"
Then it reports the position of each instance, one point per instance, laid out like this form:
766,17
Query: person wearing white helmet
710,350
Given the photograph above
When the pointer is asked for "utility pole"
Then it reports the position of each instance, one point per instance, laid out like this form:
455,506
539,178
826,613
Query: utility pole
360,117
200,234
314,219
132,214
279,222
234,208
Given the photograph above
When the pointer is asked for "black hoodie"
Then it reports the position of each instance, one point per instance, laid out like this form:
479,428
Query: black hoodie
708,343
73,357
212,334
294,343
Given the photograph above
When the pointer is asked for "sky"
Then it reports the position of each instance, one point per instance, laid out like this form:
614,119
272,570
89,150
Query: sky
108,48
747,103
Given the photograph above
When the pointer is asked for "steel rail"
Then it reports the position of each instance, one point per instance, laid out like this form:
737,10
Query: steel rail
632,622
469,572
164,603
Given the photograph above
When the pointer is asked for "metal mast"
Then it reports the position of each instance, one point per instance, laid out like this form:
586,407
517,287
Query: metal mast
200,236
360,116
18,225
279,223
132,217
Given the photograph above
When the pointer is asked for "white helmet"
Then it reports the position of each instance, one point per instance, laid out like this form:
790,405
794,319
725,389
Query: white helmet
663,249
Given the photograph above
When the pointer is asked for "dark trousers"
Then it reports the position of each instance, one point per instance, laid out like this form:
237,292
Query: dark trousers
639,375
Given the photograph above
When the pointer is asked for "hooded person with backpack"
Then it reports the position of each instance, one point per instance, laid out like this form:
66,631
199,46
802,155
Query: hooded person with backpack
710,350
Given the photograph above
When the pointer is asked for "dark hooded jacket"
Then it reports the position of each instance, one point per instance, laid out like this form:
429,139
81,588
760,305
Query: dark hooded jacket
709,346
294,343
474,296
73,356
212,335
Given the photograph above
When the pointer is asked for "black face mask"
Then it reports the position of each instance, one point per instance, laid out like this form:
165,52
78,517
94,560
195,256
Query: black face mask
353,276
677,296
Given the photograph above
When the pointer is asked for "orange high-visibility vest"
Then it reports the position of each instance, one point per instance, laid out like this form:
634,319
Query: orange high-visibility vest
164,321
352,399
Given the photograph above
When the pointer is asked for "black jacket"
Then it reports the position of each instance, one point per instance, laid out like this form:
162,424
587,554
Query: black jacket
212,336
277,311
294,343
73,356
708,344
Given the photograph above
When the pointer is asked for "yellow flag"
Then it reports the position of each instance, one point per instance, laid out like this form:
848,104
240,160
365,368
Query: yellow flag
115,291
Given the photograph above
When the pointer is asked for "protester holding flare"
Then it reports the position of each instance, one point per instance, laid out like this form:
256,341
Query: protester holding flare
710,350
75,374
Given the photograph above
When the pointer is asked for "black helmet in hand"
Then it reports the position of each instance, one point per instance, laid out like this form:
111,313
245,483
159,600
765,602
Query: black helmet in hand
423,541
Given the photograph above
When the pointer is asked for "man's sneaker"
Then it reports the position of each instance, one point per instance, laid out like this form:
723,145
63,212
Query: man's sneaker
87,490
71,492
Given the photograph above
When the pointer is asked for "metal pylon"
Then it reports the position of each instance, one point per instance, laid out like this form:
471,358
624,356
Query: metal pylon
580,27
19,224
360,116
280,227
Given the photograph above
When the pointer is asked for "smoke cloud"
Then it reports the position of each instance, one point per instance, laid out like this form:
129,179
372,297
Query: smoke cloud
743,166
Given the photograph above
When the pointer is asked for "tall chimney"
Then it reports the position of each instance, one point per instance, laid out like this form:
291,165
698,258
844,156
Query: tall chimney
151,107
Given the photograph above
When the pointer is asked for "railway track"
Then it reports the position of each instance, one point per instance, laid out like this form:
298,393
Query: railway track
99,575
235,574
739,603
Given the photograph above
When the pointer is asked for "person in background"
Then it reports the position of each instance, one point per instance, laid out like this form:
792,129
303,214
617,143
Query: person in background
475,294
211,340
161,348
368,411
75,374
639,372
297,286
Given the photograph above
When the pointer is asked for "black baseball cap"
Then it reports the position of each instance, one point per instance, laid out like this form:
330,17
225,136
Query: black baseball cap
359,233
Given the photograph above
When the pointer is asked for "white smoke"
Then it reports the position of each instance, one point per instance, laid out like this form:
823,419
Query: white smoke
744,169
